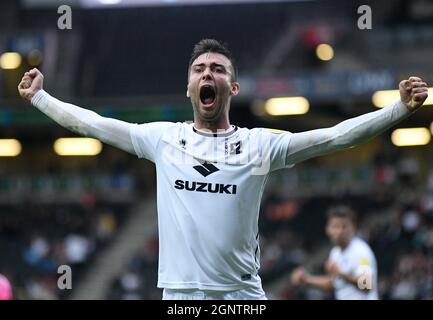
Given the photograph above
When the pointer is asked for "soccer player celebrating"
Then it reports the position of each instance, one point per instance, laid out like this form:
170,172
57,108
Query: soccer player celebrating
351,267
211,174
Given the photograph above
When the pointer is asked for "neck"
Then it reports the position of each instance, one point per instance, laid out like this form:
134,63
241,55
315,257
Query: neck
214,126
344,245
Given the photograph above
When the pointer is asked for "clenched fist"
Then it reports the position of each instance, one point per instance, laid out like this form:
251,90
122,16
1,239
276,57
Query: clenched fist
30,84
332,268
413,92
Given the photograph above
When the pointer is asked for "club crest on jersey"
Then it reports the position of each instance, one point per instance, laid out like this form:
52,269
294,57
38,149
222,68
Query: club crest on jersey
235,148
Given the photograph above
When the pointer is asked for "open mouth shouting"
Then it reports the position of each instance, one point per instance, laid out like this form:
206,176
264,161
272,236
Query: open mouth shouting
207,95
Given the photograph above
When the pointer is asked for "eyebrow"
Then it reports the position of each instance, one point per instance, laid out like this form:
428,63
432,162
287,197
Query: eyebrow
213,64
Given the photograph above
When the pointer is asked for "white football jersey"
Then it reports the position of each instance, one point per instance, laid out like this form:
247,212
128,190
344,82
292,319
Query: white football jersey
209,188
357,259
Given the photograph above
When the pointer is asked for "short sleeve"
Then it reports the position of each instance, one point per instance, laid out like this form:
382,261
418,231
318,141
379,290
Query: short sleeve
146,137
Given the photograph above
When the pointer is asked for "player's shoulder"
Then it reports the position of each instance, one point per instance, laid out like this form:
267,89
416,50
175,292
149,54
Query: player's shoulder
160,127
360,246
253,134
335,251
267,131
162,124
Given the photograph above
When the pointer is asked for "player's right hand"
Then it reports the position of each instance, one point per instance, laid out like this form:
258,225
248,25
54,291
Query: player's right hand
30,84
332,268
298,276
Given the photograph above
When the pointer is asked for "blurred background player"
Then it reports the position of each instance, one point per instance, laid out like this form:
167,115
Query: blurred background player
351,270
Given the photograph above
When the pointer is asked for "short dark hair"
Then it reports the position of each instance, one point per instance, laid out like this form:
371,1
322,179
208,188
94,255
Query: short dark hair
215,46
342,211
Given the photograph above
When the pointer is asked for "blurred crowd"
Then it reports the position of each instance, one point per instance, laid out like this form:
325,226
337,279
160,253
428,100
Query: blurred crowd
37,237
138,280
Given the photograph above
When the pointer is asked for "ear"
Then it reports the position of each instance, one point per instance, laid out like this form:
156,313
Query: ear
235,89
187,93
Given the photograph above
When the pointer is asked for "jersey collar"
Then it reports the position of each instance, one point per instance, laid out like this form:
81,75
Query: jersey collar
222,133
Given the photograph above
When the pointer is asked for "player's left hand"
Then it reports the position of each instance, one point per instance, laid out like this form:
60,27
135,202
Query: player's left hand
413,92
30,84
332,268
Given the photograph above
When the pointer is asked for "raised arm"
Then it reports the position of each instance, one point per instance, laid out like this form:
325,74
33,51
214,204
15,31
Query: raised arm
76,119
300,277
351,132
